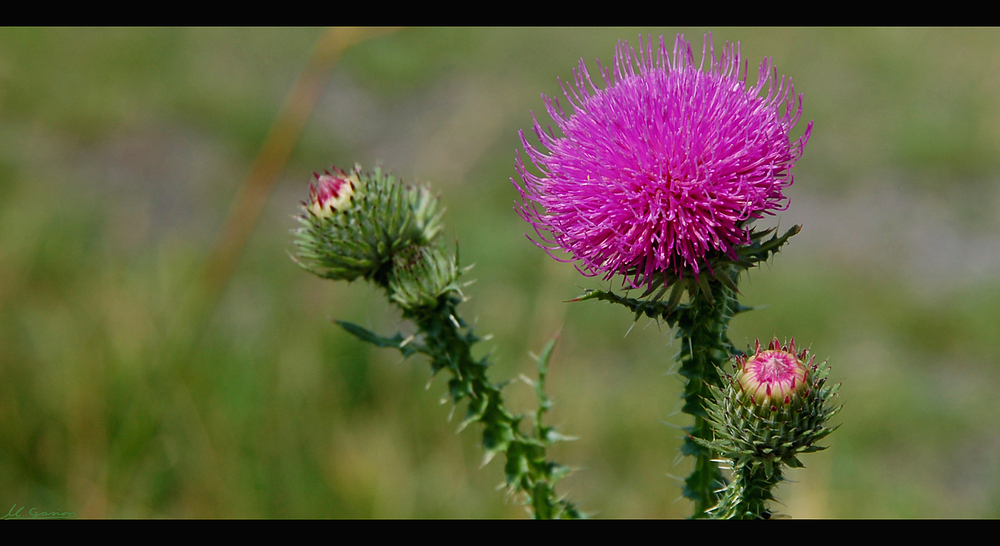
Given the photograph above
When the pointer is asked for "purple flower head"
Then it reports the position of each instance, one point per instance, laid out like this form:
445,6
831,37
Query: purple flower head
664,168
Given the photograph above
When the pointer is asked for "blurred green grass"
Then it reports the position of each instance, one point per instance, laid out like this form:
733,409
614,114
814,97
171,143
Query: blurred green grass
124,149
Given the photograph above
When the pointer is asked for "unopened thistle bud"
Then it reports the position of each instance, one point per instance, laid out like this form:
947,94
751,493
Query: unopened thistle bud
421,275
355,223
774,377
774,406
331,193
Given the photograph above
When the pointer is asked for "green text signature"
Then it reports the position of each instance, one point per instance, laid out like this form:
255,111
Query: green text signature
18,512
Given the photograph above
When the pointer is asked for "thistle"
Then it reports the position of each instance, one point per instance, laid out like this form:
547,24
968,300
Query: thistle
370,225
773,407
658,177
355,223
665,166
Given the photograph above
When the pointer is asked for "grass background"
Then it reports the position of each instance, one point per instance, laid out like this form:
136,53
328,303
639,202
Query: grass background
126,392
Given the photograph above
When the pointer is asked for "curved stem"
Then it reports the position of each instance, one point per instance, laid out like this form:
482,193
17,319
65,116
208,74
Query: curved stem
527,469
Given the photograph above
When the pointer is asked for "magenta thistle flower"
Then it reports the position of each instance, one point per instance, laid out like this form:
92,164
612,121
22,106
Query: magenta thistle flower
663,169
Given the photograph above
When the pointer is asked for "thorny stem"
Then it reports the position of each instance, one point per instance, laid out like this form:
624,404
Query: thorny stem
527,470
705,347
748,495
701,325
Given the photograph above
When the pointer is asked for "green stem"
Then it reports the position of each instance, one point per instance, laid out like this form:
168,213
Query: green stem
527,470
701,326
748,495
705,348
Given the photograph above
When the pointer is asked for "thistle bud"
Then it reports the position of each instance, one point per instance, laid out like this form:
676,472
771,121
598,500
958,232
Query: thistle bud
775,406
355,223
421,275
331,193
773,377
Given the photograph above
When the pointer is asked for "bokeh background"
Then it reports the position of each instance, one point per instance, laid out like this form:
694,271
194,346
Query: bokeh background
161,355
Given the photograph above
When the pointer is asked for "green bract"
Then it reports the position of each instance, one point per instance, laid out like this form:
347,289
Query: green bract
421,275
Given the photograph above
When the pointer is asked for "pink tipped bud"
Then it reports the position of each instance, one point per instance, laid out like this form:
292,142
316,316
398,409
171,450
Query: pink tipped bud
773,375
331,193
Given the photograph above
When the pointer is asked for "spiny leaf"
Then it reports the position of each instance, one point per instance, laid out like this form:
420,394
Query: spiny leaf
395,342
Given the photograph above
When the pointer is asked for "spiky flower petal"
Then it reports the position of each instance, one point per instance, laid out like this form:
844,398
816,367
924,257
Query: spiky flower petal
664,167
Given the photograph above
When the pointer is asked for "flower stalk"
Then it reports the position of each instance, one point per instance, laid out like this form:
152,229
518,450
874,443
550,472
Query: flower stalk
705,347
